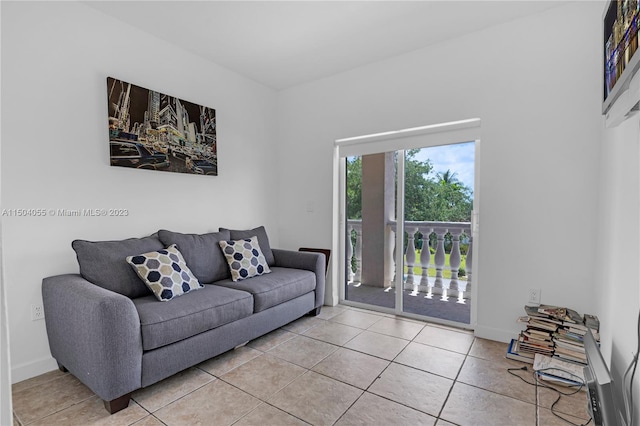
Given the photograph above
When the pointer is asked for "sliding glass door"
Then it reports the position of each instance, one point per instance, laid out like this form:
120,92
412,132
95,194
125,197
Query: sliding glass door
407,222
438,206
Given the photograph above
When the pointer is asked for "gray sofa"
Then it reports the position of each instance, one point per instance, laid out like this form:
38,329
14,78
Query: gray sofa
107,329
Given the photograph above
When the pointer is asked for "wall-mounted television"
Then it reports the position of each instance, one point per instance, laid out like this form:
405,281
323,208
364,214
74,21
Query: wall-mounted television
601,401
620,46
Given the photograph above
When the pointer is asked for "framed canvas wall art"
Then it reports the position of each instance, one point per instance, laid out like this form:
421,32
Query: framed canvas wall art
154,131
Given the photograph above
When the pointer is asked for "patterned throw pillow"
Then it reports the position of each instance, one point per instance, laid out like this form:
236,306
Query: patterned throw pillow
165,273
245,258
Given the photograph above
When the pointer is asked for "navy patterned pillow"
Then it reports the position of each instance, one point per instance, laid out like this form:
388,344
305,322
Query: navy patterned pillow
263,240
245,258
165,272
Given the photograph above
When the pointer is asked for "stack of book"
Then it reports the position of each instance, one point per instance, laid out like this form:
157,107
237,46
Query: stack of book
569,339
514,352
537,338
553,331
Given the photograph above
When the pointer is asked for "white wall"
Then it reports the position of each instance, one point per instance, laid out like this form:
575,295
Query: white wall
618,277
55,60
535,85
6,415
5,365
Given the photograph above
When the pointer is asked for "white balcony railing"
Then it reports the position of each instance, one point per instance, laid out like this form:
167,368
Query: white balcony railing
438,286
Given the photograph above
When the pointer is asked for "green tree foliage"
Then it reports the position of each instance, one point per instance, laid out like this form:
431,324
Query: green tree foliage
429,196
454,201
419,189
354,188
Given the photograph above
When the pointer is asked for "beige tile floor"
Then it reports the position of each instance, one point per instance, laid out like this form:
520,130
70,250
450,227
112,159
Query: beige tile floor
347,366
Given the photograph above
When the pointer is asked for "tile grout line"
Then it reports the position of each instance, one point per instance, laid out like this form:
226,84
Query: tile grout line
150,414
279,409
364,391
338,380
182,396
378,377
455,380
412,340
323,375
56,377
393,361
307,370
59,410
264,400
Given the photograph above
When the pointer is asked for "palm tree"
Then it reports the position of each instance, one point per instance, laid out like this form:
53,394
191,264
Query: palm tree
448,178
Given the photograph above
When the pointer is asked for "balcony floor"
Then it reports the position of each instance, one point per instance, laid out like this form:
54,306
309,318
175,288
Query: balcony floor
418,304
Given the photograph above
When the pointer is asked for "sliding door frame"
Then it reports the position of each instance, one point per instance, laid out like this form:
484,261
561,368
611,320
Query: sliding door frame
399,141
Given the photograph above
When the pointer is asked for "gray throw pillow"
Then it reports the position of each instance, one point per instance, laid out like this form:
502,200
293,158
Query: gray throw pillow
201,252
104,263
263,240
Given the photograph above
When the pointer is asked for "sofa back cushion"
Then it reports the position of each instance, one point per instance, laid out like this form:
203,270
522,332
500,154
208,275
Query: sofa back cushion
263,240
201,252
104,263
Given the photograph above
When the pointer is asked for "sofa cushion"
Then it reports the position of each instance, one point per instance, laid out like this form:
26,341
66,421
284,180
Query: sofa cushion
201,252
281,285
165,273
245,258
263,240
210,307
103,263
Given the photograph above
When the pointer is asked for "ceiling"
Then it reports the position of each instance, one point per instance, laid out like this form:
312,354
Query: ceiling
285,43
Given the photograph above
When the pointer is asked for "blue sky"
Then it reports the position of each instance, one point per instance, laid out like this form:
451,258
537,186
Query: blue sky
458,158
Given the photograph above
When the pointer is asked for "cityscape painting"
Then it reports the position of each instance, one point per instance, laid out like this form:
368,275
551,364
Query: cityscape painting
154,131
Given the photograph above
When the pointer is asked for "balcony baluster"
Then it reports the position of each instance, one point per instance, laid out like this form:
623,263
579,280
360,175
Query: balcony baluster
357,277
425,259
439,261
454,263
439,285
467,289
410,259
349,247
390,264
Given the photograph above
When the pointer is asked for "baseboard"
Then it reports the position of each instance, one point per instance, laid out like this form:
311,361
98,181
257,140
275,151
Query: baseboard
496,334
31,369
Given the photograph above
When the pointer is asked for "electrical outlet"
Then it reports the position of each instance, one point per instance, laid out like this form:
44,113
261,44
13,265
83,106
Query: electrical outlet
37,312
534,296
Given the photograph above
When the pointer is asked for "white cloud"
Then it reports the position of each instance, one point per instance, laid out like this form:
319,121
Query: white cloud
458,158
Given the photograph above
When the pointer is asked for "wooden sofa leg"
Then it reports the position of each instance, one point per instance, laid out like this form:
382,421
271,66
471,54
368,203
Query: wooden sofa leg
315,312
117,404
62,368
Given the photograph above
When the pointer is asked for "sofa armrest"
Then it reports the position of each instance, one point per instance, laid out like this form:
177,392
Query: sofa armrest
94,333
314,262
